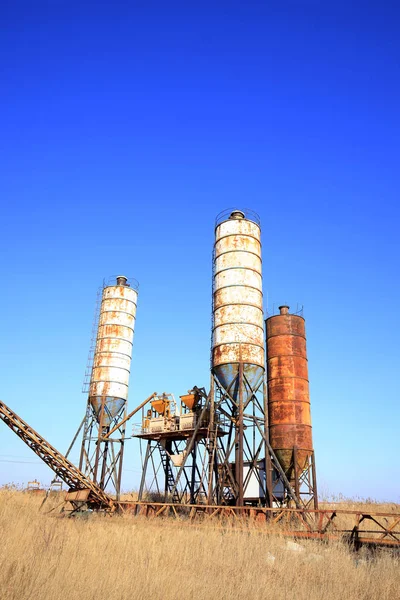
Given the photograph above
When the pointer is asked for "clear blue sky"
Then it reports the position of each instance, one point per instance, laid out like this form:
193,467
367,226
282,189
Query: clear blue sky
125,128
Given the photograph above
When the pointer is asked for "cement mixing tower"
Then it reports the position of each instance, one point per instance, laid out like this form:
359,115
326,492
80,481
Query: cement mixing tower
214,448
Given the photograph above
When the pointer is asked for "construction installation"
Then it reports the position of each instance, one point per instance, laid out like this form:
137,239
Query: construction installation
240,446
248,442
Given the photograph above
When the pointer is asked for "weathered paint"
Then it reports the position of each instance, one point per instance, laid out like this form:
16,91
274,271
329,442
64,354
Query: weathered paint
238,326
288,392
113,353
190,400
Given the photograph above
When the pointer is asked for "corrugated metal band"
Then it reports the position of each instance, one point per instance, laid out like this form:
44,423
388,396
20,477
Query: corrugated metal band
102,367
239,285
100,337
237,250
294,355
113,337
120,298
243,268
301,448
125,298
237,304
125,312
283,316
241,323
292,402
291,426
110,380
287,377
251,343
286,335
113,352
249,235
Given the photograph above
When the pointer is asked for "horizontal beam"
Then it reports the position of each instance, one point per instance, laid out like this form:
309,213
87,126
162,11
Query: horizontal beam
131,414
318,518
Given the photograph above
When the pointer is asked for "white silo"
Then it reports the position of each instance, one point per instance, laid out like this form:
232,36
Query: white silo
113,353
238,324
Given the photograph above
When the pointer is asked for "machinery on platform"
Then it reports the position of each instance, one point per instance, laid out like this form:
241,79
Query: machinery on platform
177,451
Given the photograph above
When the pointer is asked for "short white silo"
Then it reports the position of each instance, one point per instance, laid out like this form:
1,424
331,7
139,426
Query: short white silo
113,353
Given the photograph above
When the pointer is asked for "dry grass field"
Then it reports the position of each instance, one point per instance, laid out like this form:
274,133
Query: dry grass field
118,558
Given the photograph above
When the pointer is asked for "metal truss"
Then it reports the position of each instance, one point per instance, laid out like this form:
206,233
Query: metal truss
161,480
81,487
240,455
245,457
230,461
101,456
176,464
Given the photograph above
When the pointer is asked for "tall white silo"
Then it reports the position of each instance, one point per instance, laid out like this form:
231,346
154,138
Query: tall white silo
238,324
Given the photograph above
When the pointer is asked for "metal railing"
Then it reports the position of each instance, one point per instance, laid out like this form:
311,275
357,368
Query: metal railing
112,280
249,215
299,312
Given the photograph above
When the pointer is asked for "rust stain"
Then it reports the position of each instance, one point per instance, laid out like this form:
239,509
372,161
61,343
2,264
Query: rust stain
238,333
288,390
112,359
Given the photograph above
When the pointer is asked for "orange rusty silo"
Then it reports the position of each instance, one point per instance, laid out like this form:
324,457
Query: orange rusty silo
289,414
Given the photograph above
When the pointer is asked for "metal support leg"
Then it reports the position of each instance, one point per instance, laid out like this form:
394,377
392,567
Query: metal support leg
144,471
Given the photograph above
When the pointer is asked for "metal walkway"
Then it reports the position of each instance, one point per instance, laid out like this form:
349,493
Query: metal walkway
375,529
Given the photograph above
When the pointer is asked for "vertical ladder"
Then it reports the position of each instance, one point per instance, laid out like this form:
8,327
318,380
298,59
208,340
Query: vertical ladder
166,463
212,307
93,340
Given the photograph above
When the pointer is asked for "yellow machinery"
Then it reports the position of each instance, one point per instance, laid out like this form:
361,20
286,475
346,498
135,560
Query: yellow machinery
163,415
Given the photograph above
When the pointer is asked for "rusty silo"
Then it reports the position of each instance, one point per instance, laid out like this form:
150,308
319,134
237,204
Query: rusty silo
289,416
101,457
113,352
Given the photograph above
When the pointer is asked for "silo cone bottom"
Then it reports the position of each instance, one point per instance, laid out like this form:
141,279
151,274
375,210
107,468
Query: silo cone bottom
227,374
286,458
113,406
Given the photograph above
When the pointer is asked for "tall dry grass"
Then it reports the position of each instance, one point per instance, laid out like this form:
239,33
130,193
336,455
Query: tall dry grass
118,558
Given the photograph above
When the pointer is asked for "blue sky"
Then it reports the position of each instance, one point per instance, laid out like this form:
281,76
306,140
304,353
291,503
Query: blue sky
126,128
